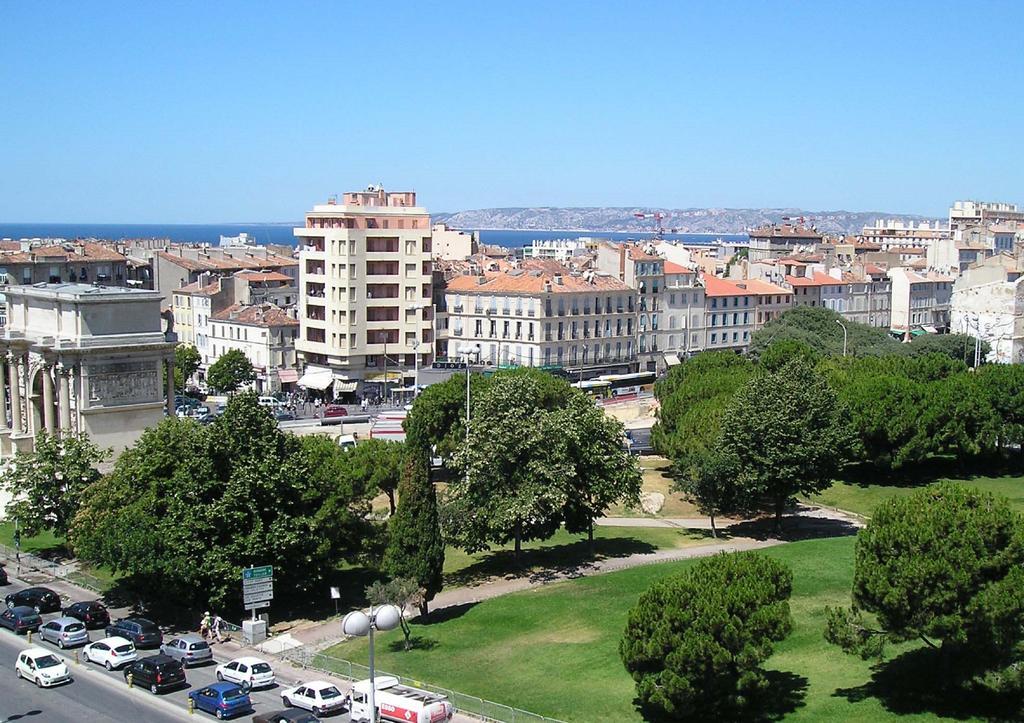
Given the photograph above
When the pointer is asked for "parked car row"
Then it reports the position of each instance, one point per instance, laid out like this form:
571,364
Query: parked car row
163,671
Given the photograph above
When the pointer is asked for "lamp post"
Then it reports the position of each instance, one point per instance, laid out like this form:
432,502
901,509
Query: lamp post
844,335
468,351
386,617
416,367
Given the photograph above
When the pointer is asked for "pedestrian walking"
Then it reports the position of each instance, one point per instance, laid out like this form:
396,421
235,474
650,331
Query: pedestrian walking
205,624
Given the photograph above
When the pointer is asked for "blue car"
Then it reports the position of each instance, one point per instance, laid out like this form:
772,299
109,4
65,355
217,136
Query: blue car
224,700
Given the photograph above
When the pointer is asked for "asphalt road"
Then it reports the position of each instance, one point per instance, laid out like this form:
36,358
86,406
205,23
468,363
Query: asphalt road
101,696
91,696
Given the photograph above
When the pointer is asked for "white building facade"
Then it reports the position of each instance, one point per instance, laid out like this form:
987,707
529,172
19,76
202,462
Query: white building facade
365,289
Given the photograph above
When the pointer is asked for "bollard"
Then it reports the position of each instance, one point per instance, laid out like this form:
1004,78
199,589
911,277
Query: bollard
77,661
130,679
29,634
191,706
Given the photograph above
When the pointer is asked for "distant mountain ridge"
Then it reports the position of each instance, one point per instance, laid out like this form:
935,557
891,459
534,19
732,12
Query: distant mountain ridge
685,220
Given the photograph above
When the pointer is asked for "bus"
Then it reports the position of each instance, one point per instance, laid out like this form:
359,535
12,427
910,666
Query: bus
595,388
629,385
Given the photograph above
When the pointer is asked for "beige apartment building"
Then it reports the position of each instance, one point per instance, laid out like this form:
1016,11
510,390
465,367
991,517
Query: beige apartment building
584,323
365,291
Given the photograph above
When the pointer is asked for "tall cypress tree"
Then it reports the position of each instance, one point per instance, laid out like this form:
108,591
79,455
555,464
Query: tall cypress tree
415,549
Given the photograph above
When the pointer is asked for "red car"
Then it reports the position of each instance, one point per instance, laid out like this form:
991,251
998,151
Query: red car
333,413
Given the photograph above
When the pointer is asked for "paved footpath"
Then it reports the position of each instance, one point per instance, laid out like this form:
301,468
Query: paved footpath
807,522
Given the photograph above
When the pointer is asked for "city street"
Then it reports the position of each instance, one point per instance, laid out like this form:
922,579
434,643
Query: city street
92,696
101,696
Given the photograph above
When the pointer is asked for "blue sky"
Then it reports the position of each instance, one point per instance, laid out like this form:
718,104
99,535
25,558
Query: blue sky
253,111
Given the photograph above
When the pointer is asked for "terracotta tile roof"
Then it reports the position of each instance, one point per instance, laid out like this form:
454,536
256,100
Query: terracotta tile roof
908,250
816,279
256,315
638,254
785,231
10,245
533,282
715,286
184,262
196,289
673,268
263,276
76,253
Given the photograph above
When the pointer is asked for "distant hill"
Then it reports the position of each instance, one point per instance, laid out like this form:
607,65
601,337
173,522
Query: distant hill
685,220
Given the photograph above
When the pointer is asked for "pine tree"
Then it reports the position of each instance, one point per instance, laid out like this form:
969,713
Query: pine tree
415,549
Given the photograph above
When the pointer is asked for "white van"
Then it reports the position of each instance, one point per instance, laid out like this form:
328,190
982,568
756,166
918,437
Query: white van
269,402
399,703
347,441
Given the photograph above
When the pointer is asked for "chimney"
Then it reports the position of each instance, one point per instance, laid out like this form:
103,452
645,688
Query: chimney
547,287
558,279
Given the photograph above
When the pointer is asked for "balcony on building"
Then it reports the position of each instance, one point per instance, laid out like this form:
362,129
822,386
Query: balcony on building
381,291
315,289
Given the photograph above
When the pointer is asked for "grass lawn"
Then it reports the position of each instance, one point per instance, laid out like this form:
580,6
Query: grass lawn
656,479
554,650
863,498
564,550
44,542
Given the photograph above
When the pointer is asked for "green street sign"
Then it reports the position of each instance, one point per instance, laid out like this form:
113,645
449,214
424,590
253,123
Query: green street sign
258,573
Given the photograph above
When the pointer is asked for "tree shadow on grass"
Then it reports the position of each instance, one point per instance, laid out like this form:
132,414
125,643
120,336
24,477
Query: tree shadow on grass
548,561
913,684
443,615
785,692
794,527
416,642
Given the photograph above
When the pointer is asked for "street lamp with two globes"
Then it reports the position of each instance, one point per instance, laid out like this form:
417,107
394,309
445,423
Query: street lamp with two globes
386,617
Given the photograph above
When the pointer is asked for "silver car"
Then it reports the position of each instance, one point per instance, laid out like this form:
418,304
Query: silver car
190,649
65,632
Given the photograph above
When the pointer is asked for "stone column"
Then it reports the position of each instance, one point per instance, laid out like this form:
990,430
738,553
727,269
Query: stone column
169,366
5,420
14,377
49,419
64,398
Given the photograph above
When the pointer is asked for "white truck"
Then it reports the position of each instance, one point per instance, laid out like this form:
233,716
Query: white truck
399,703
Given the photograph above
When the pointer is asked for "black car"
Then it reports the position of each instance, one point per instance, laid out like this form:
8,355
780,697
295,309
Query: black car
143,633
157,672
41,599
21,619
290,715
93,614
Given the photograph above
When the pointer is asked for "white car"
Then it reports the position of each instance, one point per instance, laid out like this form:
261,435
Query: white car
317,696
252,672
41,667
111,653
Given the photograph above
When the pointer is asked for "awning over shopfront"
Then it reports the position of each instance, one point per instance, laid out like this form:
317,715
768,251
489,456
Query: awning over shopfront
930,329
345,387
288,376
393,376
671,359
317,379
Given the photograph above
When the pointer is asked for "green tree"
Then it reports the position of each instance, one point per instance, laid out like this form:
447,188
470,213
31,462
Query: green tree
402,592
376,465
603,471
960,347
186,363
189,506
512,489
781,351
944,565
695,641
231,372
816,327
47,484
692,398
415,548
709,483
437,421
788,434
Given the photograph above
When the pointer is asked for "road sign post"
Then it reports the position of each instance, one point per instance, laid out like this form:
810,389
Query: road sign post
257,587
